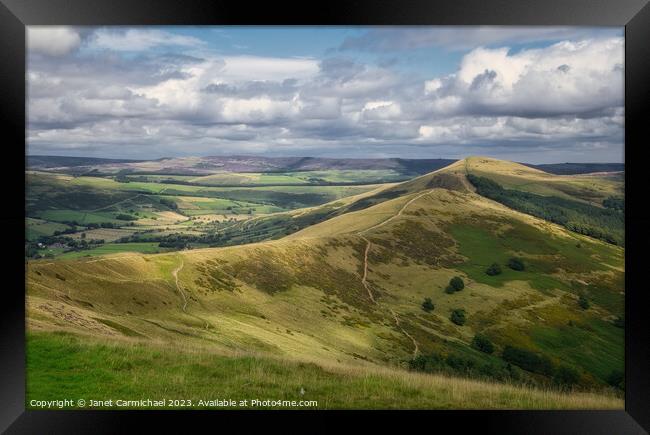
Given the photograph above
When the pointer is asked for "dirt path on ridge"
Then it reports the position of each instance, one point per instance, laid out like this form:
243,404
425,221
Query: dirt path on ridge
364,279
182,293
178,287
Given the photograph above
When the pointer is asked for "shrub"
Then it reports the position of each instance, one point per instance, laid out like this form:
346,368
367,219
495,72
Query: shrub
616,379
583,302
482,343
458,317
528,360
427,363
493,270
427,305
565,375
450,290
459,363
516,264
457,283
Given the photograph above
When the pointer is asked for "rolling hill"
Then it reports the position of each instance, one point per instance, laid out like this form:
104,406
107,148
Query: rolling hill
233,164
344,287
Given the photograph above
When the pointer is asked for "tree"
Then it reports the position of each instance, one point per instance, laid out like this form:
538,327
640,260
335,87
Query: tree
583,302
516,264
427,305
458,317
493,270
83,235
457,283
482,343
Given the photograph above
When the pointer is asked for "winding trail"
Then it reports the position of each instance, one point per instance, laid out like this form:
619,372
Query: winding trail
206,325
364,279
178,287
398,214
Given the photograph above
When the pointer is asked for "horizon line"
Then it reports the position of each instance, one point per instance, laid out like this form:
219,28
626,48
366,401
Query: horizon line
314,157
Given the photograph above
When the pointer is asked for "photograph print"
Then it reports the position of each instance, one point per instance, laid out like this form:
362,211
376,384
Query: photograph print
325,217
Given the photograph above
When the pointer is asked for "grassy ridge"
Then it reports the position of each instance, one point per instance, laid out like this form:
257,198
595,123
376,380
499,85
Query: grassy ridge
62,365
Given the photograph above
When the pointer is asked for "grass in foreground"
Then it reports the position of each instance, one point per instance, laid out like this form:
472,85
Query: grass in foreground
64,366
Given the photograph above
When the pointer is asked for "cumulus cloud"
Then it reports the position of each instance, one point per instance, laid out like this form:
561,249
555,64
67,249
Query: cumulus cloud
52,40
181,98
564,78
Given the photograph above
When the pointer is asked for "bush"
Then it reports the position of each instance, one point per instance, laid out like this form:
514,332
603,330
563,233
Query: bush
459,364
616,379
614,203
516,264
583,302
458,317
427,363
126,217
457,283
528,360
493,270
450,290
567,376
482,343
427,305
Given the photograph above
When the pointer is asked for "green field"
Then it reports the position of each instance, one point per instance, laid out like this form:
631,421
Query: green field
81,217
39,227
65,366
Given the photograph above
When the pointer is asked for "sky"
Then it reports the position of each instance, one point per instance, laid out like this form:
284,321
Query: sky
528,94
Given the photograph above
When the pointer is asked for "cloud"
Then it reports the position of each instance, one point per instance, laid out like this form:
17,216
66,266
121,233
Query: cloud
139,39
182,98
388,39
565,78
52,40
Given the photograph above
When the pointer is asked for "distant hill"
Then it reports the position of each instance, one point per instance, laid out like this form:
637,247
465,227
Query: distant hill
217,164
578,168
64,161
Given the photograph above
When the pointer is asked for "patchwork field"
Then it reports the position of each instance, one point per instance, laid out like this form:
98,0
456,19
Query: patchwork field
420,294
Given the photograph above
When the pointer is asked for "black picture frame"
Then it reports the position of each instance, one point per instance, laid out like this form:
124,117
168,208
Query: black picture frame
633,14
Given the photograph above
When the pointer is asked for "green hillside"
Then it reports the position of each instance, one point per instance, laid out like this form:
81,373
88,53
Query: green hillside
343,285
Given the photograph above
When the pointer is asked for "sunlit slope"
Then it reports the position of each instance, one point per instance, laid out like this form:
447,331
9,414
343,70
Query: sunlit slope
350,289
590,188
